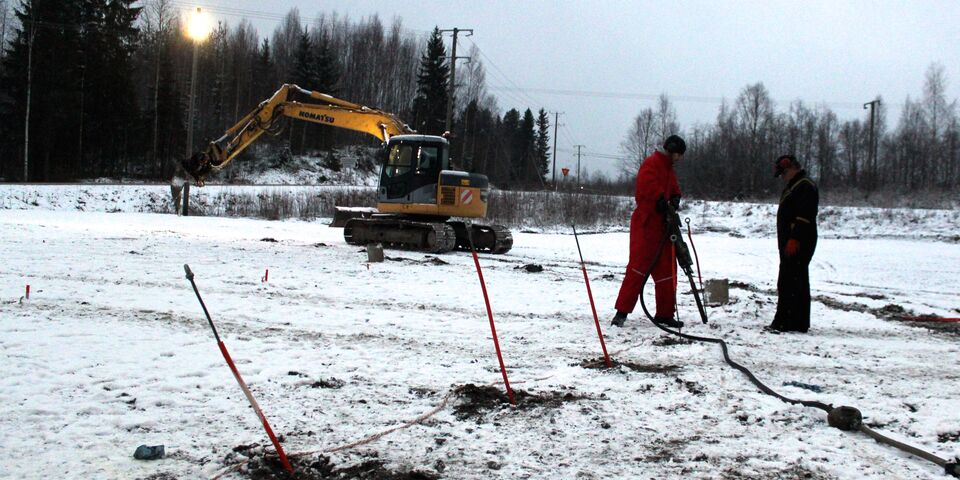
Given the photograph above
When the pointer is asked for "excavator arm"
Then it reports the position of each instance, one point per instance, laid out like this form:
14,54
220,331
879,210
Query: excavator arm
267,118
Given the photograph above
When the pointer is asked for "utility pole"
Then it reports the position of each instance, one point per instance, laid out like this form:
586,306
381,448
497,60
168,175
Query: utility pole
578,165
198,31
553,170
26,123
872,154
453,73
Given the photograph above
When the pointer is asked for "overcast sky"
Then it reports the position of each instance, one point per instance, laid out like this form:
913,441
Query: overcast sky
600,62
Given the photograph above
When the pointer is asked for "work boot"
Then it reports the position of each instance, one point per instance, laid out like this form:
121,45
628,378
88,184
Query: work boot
775,327
667,322
618,319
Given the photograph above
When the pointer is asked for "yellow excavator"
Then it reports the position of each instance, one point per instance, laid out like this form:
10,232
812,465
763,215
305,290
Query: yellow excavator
418,192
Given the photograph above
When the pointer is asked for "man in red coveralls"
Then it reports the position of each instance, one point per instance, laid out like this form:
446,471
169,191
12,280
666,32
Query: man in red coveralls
656,185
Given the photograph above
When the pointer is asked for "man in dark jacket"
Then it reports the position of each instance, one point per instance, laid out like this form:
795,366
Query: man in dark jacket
656,185
797,240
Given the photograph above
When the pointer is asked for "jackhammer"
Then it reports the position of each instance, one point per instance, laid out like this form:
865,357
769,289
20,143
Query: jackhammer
684,260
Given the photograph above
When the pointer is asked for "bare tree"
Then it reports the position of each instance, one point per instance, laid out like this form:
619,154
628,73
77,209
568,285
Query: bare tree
640,141
158,17
4,20
939,115
754,115
952,147
825,144
909,145
285,38
666,118
242,45
474,78
800,125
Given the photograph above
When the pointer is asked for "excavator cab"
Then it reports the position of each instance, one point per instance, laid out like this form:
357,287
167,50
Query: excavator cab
411,167
416,180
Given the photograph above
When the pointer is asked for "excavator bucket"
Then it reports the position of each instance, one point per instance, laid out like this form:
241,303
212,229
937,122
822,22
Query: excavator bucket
342,214
198,166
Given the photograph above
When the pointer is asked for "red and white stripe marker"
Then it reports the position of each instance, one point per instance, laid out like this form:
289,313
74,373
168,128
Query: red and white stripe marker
243,385
466,197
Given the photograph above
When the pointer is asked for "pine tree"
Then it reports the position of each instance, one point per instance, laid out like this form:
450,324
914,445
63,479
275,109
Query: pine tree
305,64
327,80
264,73
522,158
509,128
327,66
108,40
38,65
306,76
429,107
542,150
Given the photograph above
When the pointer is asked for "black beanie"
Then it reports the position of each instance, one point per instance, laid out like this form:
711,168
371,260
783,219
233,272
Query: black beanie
675,144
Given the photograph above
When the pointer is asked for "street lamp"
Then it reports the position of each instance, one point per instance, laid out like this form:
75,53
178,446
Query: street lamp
198,29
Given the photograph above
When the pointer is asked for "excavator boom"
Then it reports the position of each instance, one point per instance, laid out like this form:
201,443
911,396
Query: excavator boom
316,107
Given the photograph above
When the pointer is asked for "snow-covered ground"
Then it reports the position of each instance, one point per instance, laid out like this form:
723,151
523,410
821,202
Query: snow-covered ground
112,350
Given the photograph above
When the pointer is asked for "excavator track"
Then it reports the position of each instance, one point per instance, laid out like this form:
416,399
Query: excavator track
495,239
431,237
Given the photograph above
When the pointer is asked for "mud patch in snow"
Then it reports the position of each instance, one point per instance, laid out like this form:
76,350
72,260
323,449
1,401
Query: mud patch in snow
266,466
619,365
949,437
474,401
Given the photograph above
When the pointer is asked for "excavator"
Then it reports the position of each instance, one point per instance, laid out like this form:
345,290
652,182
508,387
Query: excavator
418,192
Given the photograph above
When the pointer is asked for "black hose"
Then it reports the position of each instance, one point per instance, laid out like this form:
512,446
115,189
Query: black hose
723,345
950,468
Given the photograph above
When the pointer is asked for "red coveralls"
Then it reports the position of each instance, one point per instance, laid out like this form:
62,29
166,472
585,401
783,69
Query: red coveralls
655,178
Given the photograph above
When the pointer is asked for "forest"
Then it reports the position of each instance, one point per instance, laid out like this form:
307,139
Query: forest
100,89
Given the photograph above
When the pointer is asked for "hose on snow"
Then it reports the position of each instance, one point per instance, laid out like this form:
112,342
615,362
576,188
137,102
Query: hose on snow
843,418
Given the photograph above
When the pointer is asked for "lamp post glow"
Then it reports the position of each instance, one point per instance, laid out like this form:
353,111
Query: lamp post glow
198,29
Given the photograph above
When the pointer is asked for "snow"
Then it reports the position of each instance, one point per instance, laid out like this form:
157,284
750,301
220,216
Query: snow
112,350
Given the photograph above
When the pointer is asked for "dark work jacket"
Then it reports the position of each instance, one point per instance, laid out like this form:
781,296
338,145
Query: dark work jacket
797,215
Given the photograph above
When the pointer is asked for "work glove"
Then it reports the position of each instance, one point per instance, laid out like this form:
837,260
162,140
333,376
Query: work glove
675,202
661,205
792,248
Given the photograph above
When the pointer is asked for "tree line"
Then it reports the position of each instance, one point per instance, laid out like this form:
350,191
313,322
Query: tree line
104,87
733,157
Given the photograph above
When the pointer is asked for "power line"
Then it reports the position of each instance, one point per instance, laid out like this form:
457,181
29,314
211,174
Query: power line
567,131
585,153
529,99
650,96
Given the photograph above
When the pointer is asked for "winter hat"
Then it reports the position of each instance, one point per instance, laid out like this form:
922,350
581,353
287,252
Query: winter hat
784,161
674,144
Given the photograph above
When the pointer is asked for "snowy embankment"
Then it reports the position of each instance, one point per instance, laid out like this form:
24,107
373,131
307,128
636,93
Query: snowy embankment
112,350
736,219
